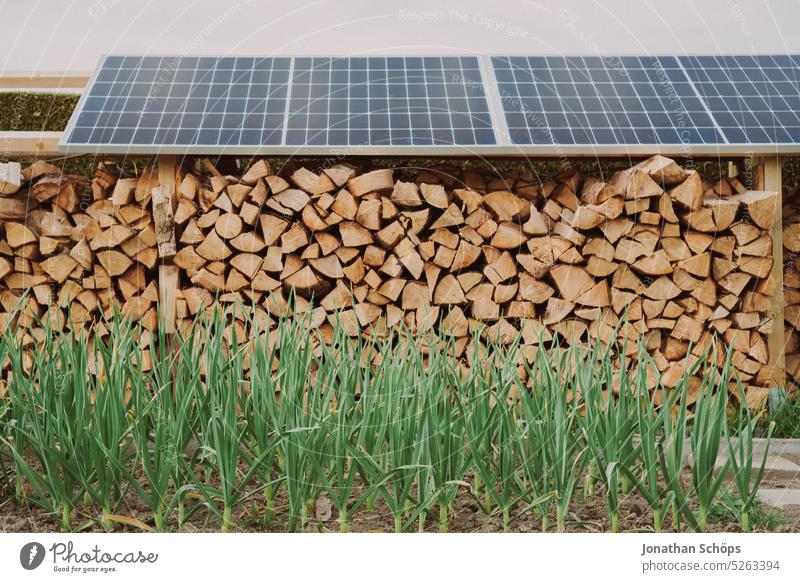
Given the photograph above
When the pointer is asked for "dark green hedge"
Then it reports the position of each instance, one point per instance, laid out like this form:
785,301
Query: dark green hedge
51,112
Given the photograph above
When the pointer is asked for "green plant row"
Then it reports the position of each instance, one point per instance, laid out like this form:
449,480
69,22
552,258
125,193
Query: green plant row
219,423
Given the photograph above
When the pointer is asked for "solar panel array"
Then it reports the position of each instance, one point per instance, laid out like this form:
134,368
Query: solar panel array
506,103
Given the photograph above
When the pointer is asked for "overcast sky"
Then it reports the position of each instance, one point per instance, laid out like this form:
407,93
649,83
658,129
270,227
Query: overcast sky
45,36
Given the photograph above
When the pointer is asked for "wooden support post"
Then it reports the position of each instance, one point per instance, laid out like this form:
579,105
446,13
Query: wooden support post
167,171
167,272
767,176
167,295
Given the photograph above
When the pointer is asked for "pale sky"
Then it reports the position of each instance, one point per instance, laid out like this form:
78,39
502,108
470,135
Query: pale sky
45,36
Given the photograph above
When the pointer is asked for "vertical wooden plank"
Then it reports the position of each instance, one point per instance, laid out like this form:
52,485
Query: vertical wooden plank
167,166
167,296
164,220
768,177
167,272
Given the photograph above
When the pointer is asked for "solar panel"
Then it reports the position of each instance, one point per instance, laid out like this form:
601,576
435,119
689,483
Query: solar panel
183,101
439,105
754,99
398,101
601,100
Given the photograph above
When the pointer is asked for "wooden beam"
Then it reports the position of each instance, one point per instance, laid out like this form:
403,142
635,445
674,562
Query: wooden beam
22,81
39,144
767,176
167,272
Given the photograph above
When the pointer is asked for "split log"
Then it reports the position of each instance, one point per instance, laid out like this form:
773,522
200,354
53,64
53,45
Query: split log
91,259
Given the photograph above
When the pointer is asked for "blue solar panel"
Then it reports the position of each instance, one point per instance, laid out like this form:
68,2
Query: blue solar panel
494,105
601,101
388,101
184,101
754,99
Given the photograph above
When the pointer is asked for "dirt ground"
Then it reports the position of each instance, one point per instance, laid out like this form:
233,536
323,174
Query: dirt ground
466,515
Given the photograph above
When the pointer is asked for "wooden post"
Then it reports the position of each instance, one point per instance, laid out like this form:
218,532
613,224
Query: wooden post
167,295
167,272
767,176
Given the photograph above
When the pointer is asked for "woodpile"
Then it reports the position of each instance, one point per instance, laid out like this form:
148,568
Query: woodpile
791,282
72,249
657,252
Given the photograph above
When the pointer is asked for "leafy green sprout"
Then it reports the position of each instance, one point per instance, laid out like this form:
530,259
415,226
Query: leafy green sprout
188,430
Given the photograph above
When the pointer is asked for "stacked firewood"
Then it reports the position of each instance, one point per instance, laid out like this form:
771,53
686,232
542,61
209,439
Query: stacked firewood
655,253
72,250
791,282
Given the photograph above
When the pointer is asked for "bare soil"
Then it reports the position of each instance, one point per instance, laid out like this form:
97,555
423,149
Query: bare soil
465,516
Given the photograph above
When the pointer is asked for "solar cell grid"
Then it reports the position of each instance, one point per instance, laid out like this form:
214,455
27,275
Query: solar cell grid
755,99
388,101
259,104
185,101
597,101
